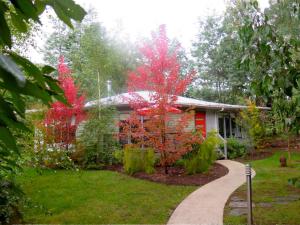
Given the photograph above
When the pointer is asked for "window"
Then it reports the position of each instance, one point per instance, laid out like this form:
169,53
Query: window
221,126
228,127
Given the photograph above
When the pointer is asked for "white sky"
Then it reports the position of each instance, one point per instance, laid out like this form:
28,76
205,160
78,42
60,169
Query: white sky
137,18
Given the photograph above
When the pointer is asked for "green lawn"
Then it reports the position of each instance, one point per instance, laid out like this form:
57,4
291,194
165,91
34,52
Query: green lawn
271,182
97,197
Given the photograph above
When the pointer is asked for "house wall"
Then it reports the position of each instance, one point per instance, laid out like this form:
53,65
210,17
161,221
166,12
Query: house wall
211,117
211,120
174,118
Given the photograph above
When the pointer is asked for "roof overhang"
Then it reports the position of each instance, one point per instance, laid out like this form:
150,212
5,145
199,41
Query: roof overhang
122,101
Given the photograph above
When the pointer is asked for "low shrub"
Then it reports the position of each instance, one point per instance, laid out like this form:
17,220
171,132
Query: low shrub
52,157
137,159
118,156
101,152
10,197
149,160
235,148
78,154
97,137
202,158
295,181
180,162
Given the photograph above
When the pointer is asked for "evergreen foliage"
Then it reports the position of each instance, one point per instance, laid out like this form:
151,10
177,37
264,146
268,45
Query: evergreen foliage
203,156
235,148
137,159
96,137
252,120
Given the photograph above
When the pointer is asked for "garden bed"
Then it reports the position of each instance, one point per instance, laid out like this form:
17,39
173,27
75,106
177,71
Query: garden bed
178,176
256,155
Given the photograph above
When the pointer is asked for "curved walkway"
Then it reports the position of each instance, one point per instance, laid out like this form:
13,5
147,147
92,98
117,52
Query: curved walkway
206,204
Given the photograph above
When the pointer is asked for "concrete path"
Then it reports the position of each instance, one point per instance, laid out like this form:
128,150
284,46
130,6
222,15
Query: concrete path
205,206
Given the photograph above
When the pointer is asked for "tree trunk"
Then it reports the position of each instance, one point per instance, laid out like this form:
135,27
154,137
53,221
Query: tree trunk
163,140
166,169
289,150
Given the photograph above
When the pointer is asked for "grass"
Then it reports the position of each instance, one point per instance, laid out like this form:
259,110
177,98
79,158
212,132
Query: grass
271,181
96,197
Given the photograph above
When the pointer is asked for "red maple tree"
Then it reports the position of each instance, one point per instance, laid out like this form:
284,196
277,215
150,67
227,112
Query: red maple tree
160,76
62,120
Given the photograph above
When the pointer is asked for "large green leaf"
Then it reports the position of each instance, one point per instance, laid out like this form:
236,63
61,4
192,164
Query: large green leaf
3,151
32,89
8,116
61,13
73,10
67,10
7,139
47,69
19,103
40,6
28,67
58,93
9,164
27,8
18,22
10,66
14,124
53,84
5,35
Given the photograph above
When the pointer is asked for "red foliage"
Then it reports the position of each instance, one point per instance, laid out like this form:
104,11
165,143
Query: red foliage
160,75
62,120
160,72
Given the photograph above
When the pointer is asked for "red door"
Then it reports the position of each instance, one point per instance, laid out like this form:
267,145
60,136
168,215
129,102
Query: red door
200,123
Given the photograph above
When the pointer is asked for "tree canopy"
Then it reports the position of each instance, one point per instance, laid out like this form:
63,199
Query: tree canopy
91,54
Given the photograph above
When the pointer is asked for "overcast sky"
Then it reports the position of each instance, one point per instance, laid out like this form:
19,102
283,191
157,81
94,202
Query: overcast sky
138,18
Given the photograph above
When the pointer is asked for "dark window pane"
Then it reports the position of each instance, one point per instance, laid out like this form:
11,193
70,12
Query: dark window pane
227,125
221,127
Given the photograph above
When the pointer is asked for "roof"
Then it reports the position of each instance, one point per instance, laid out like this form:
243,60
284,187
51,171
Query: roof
122,100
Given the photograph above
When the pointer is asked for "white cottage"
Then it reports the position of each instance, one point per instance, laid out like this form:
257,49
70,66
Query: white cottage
208,115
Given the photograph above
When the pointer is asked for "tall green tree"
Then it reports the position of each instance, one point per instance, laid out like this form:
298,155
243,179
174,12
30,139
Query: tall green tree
205,51
93,56
269,45
99,59
217,55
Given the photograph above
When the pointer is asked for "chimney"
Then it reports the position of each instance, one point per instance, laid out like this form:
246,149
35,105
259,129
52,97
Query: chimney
108,83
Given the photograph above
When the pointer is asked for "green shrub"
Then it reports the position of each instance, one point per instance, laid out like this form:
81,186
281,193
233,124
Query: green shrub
149,160
10,197
52,157
202,158
180,162
137,160
295,181
78,154
118,156
97,137
235,148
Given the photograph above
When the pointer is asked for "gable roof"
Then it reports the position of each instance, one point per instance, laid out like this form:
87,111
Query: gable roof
122,100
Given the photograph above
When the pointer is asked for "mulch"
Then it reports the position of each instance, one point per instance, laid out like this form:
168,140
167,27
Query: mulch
258,155
178,176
